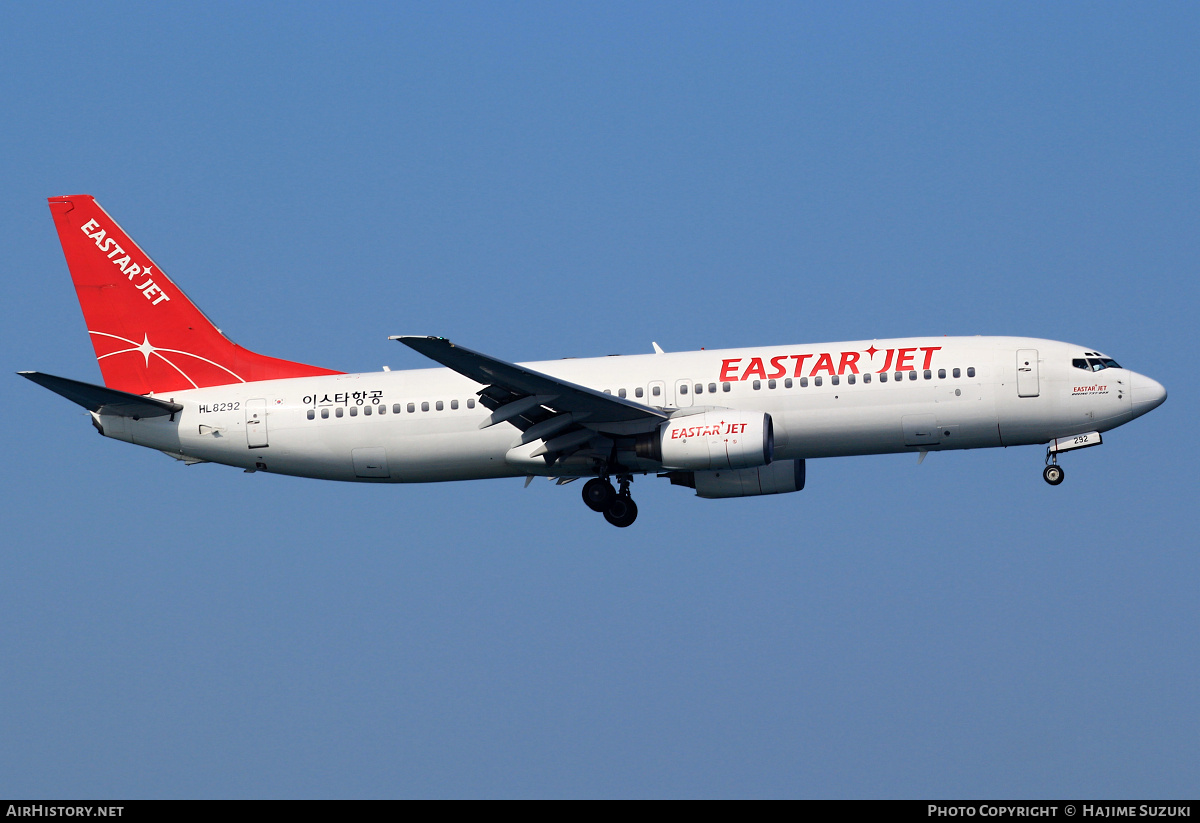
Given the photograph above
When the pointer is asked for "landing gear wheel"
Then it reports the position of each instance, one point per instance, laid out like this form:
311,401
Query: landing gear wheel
1053,474
598,494
622,511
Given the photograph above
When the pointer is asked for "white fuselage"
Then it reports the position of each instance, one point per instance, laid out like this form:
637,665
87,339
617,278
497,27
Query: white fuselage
423,425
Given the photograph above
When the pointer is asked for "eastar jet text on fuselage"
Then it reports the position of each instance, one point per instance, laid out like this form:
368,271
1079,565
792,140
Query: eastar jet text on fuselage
730,423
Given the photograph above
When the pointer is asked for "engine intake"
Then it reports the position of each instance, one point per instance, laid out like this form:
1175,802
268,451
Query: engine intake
711,440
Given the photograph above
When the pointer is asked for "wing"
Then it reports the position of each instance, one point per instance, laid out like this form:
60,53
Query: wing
573,420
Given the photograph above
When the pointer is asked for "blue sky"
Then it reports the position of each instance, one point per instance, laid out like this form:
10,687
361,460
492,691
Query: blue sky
544,180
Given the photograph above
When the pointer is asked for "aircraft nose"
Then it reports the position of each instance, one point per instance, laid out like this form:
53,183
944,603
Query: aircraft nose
1147,393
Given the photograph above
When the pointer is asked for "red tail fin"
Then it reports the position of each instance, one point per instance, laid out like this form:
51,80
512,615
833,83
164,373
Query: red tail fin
148,336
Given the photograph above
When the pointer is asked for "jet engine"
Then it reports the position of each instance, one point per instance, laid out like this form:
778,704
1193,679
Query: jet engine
711,440
778,478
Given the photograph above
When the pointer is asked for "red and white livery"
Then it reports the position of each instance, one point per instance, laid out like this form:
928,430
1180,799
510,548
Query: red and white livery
729,423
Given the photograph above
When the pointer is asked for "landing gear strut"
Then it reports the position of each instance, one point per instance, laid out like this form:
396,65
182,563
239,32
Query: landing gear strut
622,511
1053,473
618,508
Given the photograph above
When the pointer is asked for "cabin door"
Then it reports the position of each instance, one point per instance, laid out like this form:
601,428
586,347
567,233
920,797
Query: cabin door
256,423
1027,373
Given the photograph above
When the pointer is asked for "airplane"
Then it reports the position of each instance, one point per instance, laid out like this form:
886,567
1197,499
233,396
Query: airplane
726,423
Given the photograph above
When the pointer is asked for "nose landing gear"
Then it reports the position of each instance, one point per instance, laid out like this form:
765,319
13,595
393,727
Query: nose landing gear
618,507
1053,473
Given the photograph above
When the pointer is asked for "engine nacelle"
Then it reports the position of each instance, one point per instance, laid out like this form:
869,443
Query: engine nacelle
712,440
778,478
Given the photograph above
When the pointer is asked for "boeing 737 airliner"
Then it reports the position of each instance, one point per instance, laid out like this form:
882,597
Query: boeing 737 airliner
730,423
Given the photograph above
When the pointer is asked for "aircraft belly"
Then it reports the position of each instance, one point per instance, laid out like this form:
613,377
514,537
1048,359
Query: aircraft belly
441,452
451,456
968,421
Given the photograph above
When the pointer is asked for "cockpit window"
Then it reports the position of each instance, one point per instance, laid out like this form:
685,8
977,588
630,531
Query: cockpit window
1095,363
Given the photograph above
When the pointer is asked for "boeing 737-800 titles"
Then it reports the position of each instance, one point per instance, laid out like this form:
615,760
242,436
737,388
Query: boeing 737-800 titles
731,423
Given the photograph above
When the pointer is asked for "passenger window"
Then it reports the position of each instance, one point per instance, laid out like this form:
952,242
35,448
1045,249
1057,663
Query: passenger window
311,414
850,379
957,373
683,388
411,408
787,384
470,402
367,410
439,405
771,384
699,388
835,380
928,374
454,404
912,375
816,381
608,391
638,392
324,414
867,377
970,371
425,405
804,382
712,388
656,391
354,411
899,376
941,374
757,385
620,392
383,408
883,377
724,387
337,412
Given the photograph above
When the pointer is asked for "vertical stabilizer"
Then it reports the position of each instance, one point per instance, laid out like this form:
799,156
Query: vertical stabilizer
148,336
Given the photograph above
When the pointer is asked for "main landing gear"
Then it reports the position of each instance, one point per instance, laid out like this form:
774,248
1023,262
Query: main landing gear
618,507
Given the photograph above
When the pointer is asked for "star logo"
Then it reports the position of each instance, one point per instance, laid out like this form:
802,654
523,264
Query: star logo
146,349
871,351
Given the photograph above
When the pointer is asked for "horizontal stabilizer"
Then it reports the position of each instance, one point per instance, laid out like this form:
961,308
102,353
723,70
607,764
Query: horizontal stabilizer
103,400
